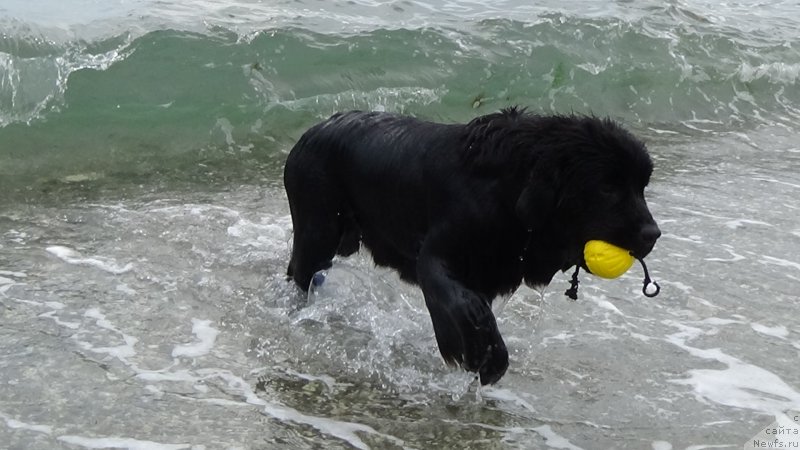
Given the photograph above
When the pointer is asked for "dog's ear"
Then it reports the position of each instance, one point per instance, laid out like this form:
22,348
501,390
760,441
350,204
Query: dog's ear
537,202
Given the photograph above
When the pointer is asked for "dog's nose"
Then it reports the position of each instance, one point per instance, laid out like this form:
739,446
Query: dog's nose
650,233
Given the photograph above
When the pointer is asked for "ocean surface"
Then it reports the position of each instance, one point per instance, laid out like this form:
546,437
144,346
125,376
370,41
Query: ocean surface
144,230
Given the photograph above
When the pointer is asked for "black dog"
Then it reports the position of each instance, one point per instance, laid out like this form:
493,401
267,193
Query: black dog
466,211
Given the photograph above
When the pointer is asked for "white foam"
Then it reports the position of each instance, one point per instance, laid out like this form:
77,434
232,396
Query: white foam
27,302
773,180
700,213
778,331
720,321
604,335
7,283
8,273
641,337
690,239
740,385
259,232
735,257
780,262
605,304
553,439
102,322
345,431
71,256
121,352
341,429
660,131
125,289
776,72
18,425
206,334
196,210
156,375
154,390
17,237
506,395
119,442
337,428
563,336
738,223
270,237
661,445
4,280
329,381
52,316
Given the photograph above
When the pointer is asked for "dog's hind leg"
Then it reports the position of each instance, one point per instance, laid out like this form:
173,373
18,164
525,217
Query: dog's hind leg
350,241
317,232
315,204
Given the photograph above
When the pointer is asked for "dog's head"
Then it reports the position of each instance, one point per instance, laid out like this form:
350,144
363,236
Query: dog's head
587,182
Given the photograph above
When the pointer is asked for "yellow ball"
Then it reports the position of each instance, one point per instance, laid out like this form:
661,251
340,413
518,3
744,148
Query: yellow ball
606,260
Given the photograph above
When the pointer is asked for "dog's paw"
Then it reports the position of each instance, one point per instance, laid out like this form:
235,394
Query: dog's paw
318,279
495,365
485,352
468,337
315,286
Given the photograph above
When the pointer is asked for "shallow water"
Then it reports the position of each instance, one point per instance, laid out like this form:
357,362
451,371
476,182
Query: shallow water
144,231
165,319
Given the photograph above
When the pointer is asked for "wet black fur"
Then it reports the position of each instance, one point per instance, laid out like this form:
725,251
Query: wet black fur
466,211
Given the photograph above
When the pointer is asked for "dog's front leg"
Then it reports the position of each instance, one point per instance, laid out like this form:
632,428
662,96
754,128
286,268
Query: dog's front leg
465,327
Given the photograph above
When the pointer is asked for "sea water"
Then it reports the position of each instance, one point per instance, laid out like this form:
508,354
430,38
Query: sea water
144,232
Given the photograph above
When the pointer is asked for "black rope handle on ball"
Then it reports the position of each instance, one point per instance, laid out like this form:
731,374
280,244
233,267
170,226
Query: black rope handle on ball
572,292
648,281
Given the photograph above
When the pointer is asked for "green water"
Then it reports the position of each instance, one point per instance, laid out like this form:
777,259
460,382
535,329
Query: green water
214,105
